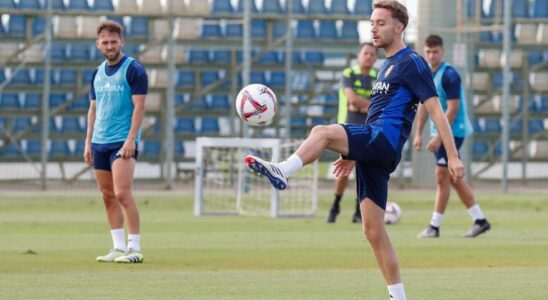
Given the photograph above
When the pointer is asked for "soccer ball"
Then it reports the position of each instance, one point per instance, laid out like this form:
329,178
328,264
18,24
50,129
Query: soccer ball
256,104
392,214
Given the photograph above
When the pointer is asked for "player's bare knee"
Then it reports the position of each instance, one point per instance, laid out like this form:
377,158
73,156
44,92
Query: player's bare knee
442,176
124,196
372,233
319,131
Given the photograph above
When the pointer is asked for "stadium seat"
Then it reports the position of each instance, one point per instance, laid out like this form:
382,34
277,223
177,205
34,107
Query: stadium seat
492,126
240,6
3,124
349,31
222,57
526,33
2,75
56,99
87,26
209,77
540,9
198,57
103,5
21,78
280,29
21,123
79,52
211,29
327,30
538,81
58,51
39,77
10,151
313,58
55,4
78,4
9,101
536,126
79,148
209,125
32,101
233,30
319,121
200,7
270,58
497,80
277,80
257,77
33,148
8,4
80,104
542,33
152,54
65,26
38,26
30,4
179,149
130,49
544,104
152,7
301,81
71,125
478,128
222,7
185,125
480,150
86,76
363,7
138,27
127,7
59,149
67,77
486,36
271,7
296,6
186,79
220,103
199,104
151,148
316,7
339,7
258,29
520,8
305,29
2,30
17,26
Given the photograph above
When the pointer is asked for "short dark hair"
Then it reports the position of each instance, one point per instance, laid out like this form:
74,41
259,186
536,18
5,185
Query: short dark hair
110,26
433,40
398,10
365,45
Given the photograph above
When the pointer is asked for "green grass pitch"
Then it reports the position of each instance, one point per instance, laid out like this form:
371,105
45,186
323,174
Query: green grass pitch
48,246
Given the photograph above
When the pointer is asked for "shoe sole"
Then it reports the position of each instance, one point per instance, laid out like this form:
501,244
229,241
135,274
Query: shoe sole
258,168
130,262
479,233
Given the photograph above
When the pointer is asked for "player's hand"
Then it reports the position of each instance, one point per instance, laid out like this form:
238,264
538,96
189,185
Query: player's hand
128,149
88,154
434,144
343,167
417,142
456,169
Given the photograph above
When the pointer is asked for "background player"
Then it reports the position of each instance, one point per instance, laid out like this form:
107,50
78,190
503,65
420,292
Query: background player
451,95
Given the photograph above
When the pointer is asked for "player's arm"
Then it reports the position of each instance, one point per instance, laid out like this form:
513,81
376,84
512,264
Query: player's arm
456,168
138,82
451,84
355,101
88,155
420,123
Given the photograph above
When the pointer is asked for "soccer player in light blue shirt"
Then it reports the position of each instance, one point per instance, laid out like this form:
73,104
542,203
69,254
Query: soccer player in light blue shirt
374,148
117,108
453,102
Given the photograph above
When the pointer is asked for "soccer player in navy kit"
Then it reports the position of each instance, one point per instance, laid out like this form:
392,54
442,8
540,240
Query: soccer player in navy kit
404,81
451,95
117,108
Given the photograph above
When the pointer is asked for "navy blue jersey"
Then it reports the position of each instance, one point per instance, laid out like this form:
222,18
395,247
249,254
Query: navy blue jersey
404,80
450,82
136,77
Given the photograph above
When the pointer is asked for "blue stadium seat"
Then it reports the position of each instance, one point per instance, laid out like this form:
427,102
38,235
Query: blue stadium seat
58,51
350,31
517,84
271,7
138,27
516,126
2,75
520,8
10,151
22,77
80,51
257,77
86,76
39,77
240,55
222,7
490,13
180,99
480,150
21,123
119,20
179,149
71,124
185,125
258,28
130,49
305,29
535,57
301,81
363,7
471,7
339,7
8,4
209,77
79,148
240,6
209,125
67,77
152,148
2,31
38,25
17,26
540,9
57,99
222,57
234,30
319,121
296,6
316,7
327,30
313,58
497,152
59,149
298,121
78,4
492,126
277,80
279,28
270,58
3,124
497,80
536,126
81,103
486,36
32,101
198,57
478,128
220,102
29,4
186,79
103,5
211,30
9,101
199,104
55,4
544,104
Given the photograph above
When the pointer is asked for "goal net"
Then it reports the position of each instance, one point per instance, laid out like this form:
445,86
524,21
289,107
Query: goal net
223,185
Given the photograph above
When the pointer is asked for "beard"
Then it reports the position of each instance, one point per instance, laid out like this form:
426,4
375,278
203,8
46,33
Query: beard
112,56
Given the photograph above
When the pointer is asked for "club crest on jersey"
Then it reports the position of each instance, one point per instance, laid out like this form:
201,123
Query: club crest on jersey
388,71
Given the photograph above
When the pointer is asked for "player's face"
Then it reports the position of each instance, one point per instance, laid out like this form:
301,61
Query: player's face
367,56
433,55
384,28
110,44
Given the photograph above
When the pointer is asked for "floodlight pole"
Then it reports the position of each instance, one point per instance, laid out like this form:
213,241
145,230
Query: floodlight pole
246,70
288,63
505,140
45,99
170,103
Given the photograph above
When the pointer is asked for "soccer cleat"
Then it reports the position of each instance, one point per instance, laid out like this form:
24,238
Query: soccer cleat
269,170
479,227
133,257
333,212
429,232
357,217
111,256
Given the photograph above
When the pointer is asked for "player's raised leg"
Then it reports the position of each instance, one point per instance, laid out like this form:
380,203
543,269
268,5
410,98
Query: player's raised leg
332,137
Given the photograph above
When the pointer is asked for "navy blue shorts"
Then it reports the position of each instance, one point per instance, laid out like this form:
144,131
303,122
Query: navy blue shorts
105,154
375,160
441,155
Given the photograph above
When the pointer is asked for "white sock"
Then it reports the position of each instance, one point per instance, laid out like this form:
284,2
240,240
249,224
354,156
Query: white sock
118,240
396,291
436,219
134,242
476,213
291,165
